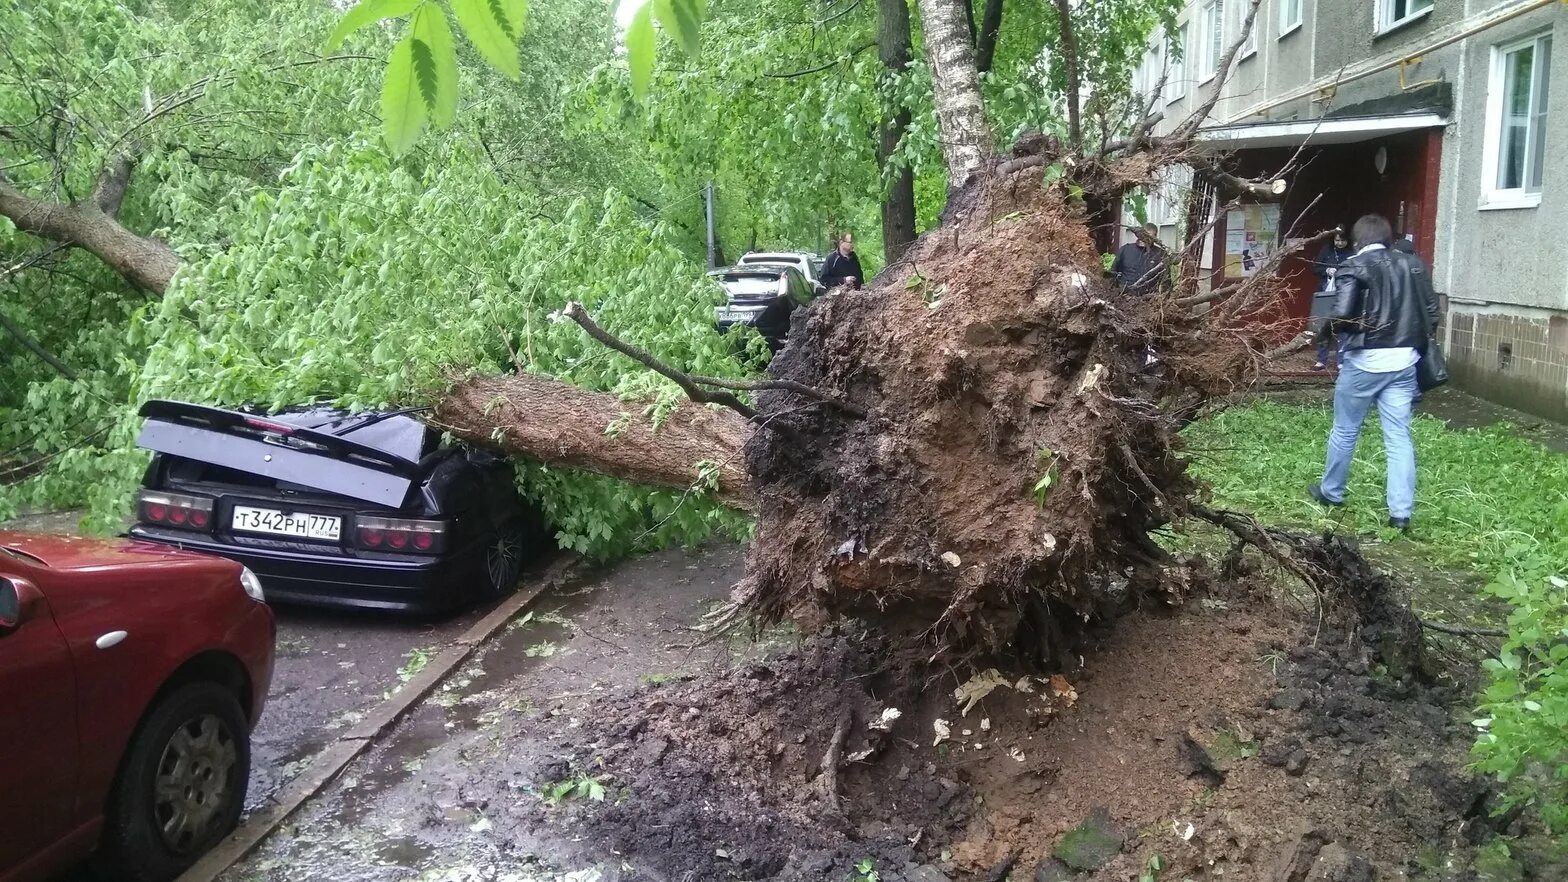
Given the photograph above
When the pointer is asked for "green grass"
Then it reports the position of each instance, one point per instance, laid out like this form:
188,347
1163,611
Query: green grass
1486,499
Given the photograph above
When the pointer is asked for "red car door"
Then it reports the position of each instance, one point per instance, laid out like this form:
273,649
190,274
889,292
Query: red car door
38,735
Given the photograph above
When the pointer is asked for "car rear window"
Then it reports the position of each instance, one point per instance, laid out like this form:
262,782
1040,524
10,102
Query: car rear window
751,285
190,471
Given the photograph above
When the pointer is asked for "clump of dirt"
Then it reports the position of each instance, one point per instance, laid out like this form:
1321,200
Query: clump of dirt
1223,739
1019,442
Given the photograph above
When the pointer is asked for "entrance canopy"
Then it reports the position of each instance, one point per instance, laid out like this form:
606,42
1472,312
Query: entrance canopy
1337,130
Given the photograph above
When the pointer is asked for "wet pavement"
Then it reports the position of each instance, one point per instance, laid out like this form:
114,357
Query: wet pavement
422,803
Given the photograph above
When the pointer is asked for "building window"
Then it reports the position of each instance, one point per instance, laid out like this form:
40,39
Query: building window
1176,62
1153,66
1393,13
1289,16
1515,153
1211,33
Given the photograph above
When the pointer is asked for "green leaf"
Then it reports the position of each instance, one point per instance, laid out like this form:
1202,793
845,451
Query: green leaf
435,68
513,12
681,19
486,25
639,49
402,108
367,12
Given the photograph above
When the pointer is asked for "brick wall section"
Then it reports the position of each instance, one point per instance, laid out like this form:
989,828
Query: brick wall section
1518,360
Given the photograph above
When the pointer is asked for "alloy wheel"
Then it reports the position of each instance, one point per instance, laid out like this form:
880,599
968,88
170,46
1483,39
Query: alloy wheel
503,559
192,788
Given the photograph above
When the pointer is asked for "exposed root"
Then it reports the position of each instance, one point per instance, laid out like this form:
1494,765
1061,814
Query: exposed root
833,757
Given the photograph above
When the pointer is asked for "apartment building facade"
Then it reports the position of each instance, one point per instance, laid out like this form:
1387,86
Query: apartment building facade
1449,117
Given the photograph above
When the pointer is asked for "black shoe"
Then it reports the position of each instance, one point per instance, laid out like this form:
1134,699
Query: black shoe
1316,492
1400,524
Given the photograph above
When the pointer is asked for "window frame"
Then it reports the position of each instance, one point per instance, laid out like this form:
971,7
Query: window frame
1494,197
1286,28
1383,21
1176,81
1211,36
1249,48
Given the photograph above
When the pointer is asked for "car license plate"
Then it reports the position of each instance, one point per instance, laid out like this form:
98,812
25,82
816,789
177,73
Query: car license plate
736,315
302,525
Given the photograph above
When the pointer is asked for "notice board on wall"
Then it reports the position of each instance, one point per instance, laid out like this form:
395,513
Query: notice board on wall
1251,235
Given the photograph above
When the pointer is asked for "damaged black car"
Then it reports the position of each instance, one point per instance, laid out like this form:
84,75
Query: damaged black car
362,511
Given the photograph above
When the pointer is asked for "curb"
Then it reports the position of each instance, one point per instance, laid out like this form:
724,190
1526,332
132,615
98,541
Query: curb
333,758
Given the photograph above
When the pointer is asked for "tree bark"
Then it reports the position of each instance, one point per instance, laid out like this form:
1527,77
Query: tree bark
561,425
955,89
898,205
985,38
1064,23
145,262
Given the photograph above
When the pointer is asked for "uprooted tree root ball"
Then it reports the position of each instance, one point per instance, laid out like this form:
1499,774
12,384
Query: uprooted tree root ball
972,451
1018,448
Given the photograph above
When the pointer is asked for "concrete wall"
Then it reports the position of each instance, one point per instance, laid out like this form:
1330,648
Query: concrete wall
1505,275
1503,272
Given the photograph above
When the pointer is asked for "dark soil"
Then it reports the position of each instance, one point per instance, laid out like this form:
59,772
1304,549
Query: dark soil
1235,736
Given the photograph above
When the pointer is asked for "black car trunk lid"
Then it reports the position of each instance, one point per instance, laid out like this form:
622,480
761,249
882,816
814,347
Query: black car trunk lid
372,459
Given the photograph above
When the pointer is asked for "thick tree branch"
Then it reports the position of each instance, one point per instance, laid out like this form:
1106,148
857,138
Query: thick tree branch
1189,126
985,38
695,392
109,193
144,261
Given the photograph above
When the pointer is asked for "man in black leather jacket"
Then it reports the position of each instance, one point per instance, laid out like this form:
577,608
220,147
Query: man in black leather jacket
1384,313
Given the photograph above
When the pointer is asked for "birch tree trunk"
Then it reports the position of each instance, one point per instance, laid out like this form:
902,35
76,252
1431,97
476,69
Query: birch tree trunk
955,88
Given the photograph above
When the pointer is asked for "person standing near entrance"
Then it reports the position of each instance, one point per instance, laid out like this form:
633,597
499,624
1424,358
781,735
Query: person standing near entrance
1384,311
1334,254
842,266
1140,266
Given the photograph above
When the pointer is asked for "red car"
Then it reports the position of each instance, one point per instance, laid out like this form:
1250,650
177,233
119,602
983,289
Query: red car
131,675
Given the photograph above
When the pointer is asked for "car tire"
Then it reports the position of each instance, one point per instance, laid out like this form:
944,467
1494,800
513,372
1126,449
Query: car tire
503,560
191,755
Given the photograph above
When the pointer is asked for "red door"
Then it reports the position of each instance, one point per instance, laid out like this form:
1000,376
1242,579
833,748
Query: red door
38,737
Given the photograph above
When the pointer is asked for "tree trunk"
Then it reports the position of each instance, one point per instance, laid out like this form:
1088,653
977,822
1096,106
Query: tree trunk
955,89
985,38
898,205
145,262
562,425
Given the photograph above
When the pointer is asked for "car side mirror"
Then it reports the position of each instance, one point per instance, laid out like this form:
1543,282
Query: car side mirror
10,605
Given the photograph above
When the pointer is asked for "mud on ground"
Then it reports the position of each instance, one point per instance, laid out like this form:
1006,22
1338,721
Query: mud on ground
1236,737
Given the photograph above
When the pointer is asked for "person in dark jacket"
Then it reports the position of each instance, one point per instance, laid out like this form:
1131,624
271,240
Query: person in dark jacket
842,266
1139,266
1329,259
1385,312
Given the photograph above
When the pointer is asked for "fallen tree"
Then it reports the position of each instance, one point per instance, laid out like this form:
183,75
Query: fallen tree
976,447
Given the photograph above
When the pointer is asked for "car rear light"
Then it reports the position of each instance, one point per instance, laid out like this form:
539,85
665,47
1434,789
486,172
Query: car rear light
400,534
176,510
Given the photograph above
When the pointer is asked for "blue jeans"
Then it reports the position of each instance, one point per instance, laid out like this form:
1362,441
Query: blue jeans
1354,394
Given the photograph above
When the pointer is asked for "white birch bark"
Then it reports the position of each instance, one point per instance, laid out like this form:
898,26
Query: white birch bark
955,87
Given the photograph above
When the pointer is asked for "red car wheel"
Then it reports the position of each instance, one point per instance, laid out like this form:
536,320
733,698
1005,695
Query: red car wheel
182,784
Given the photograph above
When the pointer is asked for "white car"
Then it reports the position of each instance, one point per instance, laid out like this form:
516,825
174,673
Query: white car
810,265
